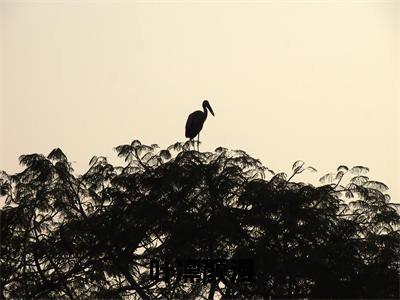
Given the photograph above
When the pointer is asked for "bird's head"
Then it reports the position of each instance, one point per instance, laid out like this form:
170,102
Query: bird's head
206,105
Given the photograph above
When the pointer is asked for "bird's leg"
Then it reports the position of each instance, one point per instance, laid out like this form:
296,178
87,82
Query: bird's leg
198,142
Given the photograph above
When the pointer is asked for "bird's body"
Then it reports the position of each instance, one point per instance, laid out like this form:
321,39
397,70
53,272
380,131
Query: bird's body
195,121
194,124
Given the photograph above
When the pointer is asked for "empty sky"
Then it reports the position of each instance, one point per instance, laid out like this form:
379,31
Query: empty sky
288,80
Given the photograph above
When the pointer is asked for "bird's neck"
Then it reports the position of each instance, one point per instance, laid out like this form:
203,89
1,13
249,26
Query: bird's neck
205,112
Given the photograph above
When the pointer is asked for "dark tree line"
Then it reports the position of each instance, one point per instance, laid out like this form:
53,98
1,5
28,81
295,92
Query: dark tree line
92,236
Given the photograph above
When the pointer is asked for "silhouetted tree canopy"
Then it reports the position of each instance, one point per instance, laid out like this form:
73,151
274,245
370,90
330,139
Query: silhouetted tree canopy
93,235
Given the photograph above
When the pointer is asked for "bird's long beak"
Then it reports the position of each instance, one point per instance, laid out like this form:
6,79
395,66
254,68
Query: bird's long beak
210,109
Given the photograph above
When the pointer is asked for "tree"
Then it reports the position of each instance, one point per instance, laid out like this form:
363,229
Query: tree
94,235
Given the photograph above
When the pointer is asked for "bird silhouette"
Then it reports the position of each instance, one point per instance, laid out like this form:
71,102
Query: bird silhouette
195,122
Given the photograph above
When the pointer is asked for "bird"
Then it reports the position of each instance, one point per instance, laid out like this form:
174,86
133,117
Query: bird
195,122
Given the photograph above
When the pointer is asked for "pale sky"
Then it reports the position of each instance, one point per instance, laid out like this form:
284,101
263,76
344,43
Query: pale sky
288,80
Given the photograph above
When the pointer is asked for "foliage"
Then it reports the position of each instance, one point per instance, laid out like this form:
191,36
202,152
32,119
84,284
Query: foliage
67,236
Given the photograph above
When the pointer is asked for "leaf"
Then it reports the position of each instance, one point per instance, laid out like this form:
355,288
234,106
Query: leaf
361,190
148,156
4,189
328,178
270,171
298,163
3,175
165,154
129,157
176,147
135,143
312,169
93,160
342,168
359,170
240,152
280,176
298,170
124,150
29,159
57,154
339,175
189,144
143,148
359,180
377,186
220,149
